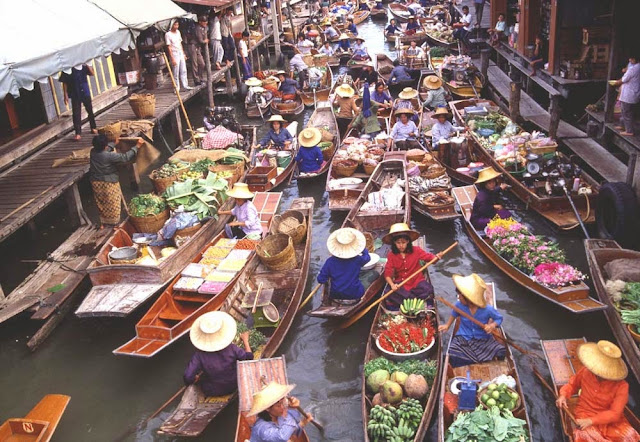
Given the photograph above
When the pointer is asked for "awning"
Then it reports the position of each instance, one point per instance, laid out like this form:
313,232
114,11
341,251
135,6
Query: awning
218,5
139,15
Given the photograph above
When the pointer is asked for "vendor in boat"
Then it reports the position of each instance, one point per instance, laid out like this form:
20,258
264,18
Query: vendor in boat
278,135
436,95
344,45
363,6
405,101
347,108
327,49
247,223
366,122
303,45
288,86
473,344
360,50
105,181
603,395
299,67
414,51
342,269
367,75
381,96
208,119
486,206
442,129
399,73
212,335
392,28
413,26
351,27
404,260
273,416
329,31
404,132
309,159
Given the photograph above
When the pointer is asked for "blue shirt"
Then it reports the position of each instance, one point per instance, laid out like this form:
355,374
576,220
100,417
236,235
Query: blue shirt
277,138
353,29
413,25
77,83
344,275
345,45
392,29
309,159
399,73
289,86
468,329
219,375
381,97
280,431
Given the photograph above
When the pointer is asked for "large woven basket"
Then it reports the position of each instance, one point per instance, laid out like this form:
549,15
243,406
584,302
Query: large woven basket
237,170
276,252
161,184
151,223
320,60
326,135
344,171
189,231
112,130
368,168
328,152
434,171
416,158
287,105
292,223
308,59
143,105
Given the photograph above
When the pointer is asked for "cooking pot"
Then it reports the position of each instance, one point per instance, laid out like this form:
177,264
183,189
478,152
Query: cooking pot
123,254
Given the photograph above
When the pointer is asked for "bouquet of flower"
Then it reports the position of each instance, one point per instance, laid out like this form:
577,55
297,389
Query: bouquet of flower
556,274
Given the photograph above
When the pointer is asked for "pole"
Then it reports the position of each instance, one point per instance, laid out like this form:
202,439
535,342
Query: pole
177,91
484,62
276,29
514,100
554,116
207,63
575,211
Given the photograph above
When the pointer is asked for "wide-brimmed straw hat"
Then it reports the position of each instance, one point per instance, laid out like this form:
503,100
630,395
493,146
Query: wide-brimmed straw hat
213,331
408,93
345,91
310,137
269,396
240,190
432,82
404,110
346,243
441,111
281,73
253,81
603,359
400,229
487,174
472,287
276,118
343,36
358,37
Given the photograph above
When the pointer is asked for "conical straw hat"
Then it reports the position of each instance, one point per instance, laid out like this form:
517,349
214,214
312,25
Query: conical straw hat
213,331
343,36
346,243
408,93
240,190
441,111
345,91
472,287
253,81
276,118
269,396
487,174
603,359
404,110
400,229
310,137
432,82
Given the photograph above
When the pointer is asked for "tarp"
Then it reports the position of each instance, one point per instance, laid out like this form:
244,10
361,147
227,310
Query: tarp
139,15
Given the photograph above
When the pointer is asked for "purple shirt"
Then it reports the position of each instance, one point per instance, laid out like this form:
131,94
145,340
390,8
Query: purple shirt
219,372
483,206
248,214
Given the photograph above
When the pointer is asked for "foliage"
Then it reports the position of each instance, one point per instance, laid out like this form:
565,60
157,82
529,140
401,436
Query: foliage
487,426
202,196
438,51
378,364
256,338
631,294
202,166
146,204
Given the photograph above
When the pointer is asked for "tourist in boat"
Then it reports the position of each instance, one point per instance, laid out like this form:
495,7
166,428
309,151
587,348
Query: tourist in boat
404,131
497,33
278,136
288,86
347,108
436,95
404,260
412,26
366,75
360,50
392,28
351,27
603,395
399,73
247,220
329,31
215,357
342,269
273,416
414,51
327,49
303,45
442,129
309,159
366,122
105,181
486,206
381,96
473,344
344,45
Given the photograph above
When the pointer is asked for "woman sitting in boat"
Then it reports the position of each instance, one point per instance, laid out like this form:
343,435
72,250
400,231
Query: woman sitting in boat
473,344
360,50
381,96
209,121
392,28
342,269
327,49
486,206
351,27
405,101
344,45
329,31
247,221
367,75
212,334
404,132
288,86
414,51
404,260
310,158
347,108
277,135
442,129
413,26
366,122
399,73
277,418
436,95
603,395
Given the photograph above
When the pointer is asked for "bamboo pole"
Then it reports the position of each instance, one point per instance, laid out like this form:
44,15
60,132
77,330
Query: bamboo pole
177,91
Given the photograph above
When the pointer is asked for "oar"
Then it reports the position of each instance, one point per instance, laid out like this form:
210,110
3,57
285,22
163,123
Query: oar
495,333
308,298
553,392
355,319
316,424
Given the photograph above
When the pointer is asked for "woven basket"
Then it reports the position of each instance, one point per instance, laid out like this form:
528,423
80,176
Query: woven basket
237,170
342,171
287,106
276,252
161,184
188,231
370,244
112,130
151,223
368,168
327,153
326,135
416,158
292,223
308,59
433,172
320,60
143,105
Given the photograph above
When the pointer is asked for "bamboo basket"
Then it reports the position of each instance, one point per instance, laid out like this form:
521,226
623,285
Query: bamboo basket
161,184
276,252
327,153
292,223
326,135
342,171
151,223
237,170
143,105
287,106
308,59
368,168
434,171
112,130
320,60
416,158
188,231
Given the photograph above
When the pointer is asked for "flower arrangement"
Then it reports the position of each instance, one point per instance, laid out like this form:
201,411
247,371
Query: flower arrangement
407,337
555,274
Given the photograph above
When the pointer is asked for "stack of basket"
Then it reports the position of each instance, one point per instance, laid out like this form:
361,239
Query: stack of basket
143,105
292,223
276,252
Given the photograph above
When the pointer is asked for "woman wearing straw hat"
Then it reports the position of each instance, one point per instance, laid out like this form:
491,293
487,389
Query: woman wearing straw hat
247,221
344,45
277,135
436,95
403,261
404,132
473,344
329,31
310,158
603,395
288,86
486,206
276,419
360,50
347,108
212,334
349,254
366,122
406,101
442,129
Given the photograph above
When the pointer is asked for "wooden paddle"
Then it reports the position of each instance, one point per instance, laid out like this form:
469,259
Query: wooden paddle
308,298
355,319
553,392
316,424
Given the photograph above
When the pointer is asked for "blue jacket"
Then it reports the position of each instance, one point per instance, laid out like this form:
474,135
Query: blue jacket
289,86
399,73
344,275
309,159
277,138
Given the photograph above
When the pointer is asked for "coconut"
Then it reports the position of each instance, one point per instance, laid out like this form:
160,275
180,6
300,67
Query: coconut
391,392
376,379
399,377
416,386
377,400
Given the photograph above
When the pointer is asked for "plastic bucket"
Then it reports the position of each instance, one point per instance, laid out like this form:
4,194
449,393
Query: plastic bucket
284,159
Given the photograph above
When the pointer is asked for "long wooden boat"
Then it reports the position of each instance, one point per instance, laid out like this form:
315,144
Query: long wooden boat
445,212
599,253
562,358
375,12
574,298
264,179
173,313
420,36
375,223
288,110
556,209
434,37
383,66
469,88
485,371
360,16
324,118
39,424
195,411
400,12
312,96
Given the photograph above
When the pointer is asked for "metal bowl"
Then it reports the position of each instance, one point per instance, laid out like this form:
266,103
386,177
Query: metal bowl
123,254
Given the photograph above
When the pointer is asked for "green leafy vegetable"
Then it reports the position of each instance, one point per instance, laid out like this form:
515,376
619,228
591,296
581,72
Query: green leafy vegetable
256,338
378,364
202,166
146,204
487,426
202,196
631,294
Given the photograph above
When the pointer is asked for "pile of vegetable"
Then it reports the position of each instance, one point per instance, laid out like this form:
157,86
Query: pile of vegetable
489,425
146,204
412,306
500,396
402,336
628,305
169,170
395,424
256,338
427,369
202,166
202,196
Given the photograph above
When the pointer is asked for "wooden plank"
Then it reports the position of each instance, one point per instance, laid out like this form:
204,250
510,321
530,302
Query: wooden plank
115,300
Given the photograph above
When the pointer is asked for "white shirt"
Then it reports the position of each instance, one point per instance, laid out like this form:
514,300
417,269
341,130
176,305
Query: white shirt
242,47
215,30
297,64
329,51
467,19
418,52
630,91
174,41
304,46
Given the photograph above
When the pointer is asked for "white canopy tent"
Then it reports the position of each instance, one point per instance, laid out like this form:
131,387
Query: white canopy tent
139,15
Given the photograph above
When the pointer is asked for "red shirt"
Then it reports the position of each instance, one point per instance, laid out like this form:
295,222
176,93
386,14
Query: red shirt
399,268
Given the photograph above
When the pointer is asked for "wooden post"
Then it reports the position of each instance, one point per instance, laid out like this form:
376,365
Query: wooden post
176,126
227,79
484,62
514,100
554,116
207,63
276,28
290,14
631,168
74,205
612,92
237,71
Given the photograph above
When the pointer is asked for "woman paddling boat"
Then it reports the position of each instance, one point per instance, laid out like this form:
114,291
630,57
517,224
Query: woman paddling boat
485,206
247,223
277,135
309,158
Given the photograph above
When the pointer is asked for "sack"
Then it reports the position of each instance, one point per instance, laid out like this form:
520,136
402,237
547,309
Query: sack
623,269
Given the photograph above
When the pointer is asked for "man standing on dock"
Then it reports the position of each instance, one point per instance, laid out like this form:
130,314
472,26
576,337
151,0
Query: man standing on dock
227,37
201,41
76,86
479,5
216,41
629,95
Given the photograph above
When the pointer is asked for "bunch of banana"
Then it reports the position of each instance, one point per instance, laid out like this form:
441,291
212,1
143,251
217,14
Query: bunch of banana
412,306
402,432
410,411
381,423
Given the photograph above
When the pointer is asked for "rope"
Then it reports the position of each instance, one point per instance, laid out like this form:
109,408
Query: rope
584,220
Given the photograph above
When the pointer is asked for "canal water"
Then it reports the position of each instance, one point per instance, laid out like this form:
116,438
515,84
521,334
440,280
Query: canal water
110,394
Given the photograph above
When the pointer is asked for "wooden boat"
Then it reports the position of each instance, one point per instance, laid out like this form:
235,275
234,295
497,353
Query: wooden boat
485,371
556,209
563,362
195,411
311,96
375,12
462,90
377,224
599,253
383,65
400,12
360,16
435,354
258,110
266,178
574,298
288,109
445,212
252,376
173,313
39,424
324,117
436,39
